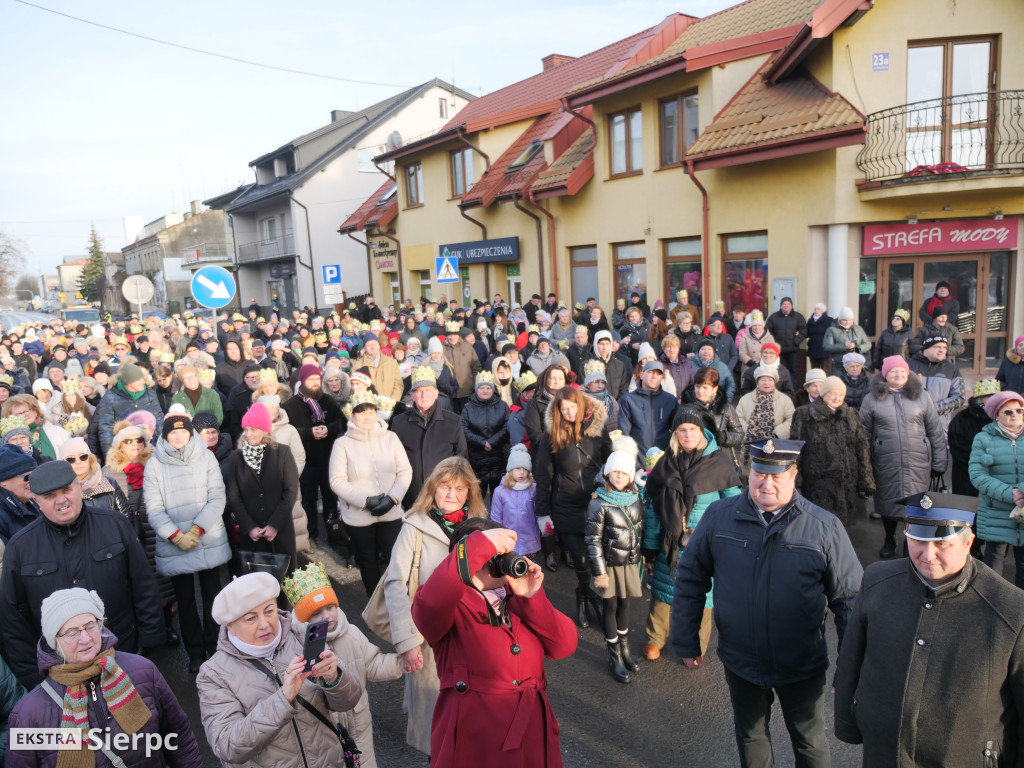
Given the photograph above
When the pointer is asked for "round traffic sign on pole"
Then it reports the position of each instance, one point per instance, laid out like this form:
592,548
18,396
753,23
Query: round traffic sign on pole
138,289
213,287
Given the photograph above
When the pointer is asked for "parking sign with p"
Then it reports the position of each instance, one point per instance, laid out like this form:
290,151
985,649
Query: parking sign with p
332,273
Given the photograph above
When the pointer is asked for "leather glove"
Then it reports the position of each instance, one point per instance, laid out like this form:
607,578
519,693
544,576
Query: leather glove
383,507
372,502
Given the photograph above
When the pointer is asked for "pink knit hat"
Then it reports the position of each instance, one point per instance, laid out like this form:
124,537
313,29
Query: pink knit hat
894,361
257,417
999,399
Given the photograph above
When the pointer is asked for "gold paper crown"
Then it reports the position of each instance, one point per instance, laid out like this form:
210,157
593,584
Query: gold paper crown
191,324
533,328
69,386
237,316
452,326
359,398
981,388
614,435
10,423
207,374
119,340
320,337
267,374
421,374
304,582
6,378
525,381
593,366
136,329
167,357
335,333
484,378
76,424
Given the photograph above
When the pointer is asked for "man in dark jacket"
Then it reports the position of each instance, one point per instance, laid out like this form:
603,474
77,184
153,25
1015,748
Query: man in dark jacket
239,400
778,563
319,421
932,668
941,298
17,509
646,413
941,378
429,433
74,545
939,325
130,394
725,345
789,329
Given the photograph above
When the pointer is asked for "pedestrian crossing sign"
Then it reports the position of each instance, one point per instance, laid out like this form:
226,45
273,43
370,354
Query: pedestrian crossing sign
447,268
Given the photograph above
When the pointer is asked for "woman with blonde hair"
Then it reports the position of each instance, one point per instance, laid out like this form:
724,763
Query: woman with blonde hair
71,402
449,495
571,452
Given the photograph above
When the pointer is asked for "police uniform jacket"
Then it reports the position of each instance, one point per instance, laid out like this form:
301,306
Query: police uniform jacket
929,677
772,586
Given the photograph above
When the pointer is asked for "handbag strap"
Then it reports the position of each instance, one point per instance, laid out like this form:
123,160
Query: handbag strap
47,686
414,572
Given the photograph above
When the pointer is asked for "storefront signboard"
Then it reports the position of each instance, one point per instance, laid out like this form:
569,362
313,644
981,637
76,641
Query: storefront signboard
940,237
482,251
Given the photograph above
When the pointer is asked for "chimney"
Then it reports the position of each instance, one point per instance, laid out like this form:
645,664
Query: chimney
339,114
197,207
556,60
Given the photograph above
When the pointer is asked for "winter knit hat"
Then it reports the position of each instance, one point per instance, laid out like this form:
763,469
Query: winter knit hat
65,604
833,384
646,351
846,313
621,461
813,375
999,399
434,345
131,431
175,421
308,370
131,373
894,361
76,446
14,461
257,417
141,418
519,458
39,384
854,357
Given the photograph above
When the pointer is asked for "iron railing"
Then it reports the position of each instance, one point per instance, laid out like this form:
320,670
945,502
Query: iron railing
267,250
957,134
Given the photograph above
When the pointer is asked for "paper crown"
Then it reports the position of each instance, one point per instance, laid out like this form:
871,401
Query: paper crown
135,329
7,380
334,333
423,375
308,590
69,386
452,326
360,398
207,374
267,374
484,378
320,337
525,381
651,457
167,357
237,316
533,328
119,340
76,424
9,424
593,366
981,388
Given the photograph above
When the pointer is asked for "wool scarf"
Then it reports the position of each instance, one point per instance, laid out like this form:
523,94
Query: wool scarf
1013,434
40,439
618,498
122,700
448,520
253,455
762,420
133,396
316,413
134,474
95,484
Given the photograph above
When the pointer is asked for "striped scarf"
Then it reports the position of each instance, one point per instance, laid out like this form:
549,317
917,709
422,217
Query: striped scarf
122,700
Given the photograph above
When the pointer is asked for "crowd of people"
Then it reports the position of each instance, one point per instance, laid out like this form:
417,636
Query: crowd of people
173,481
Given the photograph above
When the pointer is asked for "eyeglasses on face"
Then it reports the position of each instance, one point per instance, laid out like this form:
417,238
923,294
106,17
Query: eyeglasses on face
79,457
92,628
133,440
1012,411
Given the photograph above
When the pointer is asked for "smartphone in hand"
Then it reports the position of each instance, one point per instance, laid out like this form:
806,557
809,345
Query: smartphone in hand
315,643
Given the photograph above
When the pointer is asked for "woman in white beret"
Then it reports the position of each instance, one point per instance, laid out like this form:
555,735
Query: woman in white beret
250,689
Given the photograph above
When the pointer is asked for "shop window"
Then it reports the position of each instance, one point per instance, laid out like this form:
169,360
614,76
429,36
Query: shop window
867,297
745,271
414,185
583,269
626,140
677,127
682,259
629,260
425,284
462,171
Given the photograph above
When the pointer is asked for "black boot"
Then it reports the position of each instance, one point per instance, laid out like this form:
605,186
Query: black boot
597,604
615,661
627,658
582,617
889,548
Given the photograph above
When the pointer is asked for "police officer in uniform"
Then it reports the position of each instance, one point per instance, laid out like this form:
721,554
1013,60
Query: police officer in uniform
932,668
778,562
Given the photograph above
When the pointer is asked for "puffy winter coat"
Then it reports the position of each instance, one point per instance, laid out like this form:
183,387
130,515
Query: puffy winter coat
116,405
836,338
565,480
38,710
679,371
790,331
771,588
14,514
535,418
949,332
114,499
247,719
1011,373
11,692
285,434
646,416
835,462
267,498
368,463
181,489
209,402
943,382
750,347
725,350
514,509
891,343
816,327
907,441
962,430
99,551
386,377
950,304
856,389
996,468
486,422
613,534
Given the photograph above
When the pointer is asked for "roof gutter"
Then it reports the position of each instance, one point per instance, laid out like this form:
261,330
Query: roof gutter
483,229
704,239
462,137
585,119
309,242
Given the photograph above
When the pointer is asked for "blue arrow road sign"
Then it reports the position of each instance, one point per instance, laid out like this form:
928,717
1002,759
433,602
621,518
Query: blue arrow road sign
447,268
213,287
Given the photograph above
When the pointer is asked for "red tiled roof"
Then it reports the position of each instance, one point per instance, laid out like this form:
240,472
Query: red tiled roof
372,213
569,172
798,112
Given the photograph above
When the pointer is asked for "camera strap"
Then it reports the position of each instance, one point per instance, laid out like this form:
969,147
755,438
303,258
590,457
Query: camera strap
466,577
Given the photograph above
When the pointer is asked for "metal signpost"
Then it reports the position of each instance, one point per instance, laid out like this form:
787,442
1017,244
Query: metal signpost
137,289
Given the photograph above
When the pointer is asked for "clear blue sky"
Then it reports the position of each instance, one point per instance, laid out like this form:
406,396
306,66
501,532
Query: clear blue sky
98,125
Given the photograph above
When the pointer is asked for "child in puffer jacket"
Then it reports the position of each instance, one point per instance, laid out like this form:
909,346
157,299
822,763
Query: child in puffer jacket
513,503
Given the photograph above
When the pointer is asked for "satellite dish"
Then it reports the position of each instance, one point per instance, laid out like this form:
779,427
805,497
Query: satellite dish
394,140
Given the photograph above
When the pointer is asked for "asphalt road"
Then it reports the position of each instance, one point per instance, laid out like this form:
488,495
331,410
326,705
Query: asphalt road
668,716
11,319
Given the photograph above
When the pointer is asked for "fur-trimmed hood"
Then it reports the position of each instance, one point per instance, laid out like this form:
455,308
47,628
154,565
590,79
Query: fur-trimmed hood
1013,357
912,389
596,413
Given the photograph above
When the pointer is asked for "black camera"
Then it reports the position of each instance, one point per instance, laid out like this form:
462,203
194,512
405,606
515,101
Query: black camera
509,564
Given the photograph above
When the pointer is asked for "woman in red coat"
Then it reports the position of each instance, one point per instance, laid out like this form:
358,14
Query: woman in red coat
490,636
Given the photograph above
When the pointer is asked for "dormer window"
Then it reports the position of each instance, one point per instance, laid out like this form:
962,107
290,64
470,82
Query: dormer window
386,197
531,151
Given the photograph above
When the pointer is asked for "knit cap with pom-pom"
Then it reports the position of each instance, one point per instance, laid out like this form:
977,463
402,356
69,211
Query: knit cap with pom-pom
519,458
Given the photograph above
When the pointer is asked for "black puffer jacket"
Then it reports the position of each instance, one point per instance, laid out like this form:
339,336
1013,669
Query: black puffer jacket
962,431
891,343
857,390
486,421
613,534
816,328
565,480
789,331
536,420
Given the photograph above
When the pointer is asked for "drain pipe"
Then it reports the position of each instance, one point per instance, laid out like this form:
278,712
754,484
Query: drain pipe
483,228
704,243
375,165
540,240
554,247
369,265
390,235
585,119
309,241
487,160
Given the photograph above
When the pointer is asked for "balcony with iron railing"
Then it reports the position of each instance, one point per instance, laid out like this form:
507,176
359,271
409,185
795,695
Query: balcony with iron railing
283,246
974,134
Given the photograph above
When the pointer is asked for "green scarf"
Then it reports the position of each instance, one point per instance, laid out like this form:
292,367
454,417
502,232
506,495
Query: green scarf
40,440
133,395
447,521
618,498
